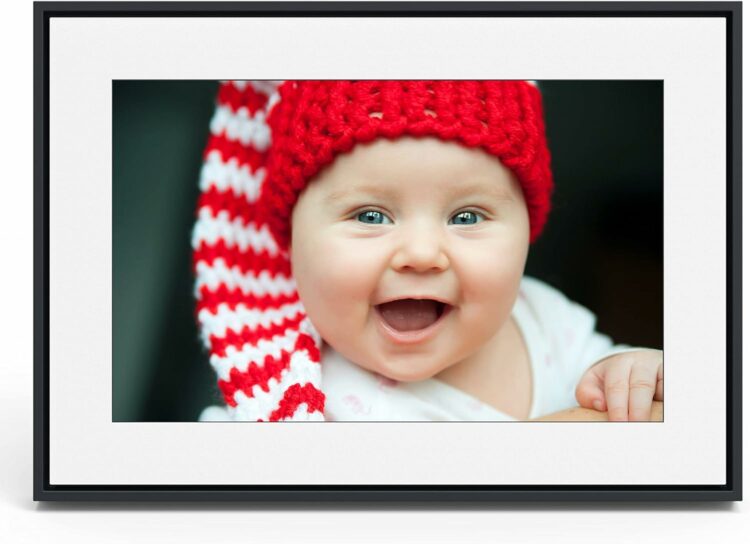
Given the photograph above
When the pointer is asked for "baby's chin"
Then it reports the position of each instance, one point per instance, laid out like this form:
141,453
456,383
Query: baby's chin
400,371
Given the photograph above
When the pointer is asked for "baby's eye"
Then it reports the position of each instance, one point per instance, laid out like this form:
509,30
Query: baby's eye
467,218
373,217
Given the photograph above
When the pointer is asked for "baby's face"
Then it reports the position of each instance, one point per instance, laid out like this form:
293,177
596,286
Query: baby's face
410,219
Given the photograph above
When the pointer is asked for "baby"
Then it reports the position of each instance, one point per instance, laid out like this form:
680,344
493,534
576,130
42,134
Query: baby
359,254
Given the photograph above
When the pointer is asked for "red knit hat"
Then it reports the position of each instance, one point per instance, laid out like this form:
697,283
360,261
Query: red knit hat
268,140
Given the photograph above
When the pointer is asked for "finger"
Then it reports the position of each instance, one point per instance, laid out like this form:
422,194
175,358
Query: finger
590,392
659,395
616,385
642,389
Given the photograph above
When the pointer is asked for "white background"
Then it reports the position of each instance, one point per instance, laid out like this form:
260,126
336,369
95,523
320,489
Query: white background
24,521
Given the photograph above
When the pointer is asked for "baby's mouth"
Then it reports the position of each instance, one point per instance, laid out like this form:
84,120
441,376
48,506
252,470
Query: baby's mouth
410,314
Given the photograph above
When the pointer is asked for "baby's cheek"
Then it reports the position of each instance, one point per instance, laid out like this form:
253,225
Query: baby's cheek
350,270
491,277
336,282
489,290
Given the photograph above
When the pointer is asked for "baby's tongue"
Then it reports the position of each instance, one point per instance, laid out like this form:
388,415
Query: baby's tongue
410,314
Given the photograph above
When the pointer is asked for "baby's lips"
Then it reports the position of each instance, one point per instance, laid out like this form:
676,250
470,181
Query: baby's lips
403,328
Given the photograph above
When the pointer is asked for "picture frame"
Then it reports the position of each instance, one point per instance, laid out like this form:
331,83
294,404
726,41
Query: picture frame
81,454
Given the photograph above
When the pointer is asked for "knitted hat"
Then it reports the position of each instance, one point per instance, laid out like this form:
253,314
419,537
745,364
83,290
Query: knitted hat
268,140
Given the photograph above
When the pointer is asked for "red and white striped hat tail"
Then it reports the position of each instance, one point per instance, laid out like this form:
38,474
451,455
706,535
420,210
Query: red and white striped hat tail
262,345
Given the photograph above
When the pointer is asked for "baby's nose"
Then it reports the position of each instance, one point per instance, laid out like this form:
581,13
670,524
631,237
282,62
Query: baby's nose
421,249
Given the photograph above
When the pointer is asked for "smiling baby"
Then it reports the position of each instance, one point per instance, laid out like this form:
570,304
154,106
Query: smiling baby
360,251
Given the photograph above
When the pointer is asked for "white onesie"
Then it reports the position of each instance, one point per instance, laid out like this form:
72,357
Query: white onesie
560,336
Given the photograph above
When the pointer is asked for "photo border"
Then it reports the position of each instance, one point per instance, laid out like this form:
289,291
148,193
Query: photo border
44,491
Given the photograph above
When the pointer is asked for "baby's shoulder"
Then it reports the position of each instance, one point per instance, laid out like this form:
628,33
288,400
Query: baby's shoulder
539,294
550,307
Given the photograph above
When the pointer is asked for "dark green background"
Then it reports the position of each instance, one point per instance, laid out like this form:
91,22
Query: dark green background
602,245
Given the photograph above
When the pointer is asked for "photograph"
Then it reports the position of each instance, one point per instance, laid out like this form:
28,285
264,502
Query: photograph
387,250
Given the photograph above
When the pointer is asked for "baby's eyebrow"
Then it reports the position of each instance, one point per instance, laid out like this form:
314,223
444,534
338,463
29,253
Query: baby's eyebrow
494,190
375,190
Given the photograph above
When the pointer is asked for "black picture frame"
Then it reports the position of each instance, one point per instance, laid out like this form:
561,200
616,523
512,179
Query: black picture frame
44,12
